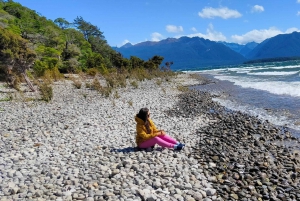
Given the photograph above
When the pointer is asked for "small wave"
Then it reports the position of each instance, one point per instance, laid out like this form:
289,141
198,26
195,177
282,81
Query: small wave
285,67
274,73
274,87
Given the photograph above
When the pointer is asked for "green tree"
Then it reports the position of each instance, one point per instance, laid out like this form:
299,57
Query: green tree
62,23
15,54
136,62
156,60
88,30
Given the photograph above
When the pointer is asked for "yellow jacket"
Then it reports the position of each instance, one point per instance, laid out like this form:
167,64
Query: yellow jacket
141,131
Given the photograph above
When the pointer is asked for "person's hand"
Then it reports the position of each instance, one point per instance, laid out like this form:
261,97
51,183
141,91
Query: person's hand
162,132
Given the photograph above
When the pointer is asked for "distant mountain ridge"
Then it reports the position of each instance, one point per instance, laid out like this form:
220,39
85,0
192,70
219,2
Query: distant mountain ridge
283,45
185,52
188,53
242,49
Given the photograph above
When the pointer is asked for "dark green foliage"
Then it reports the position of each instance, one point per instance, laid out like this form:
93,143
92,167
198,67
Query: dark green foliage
28,40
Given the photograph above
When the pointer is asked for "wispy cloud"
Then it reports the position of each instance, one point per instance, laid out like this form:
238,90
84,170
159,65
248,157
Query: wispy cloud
174,29
298,1
210,34
260,35
224,12
298,13
156,36
194,29
257,9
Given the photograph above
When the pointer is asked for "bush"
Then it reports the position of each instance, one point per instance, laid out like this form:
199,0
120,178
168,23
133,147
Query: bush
134,84
16,83
7,98
92,72
182,88
116,95
77,84
46,92
96,85
115,80
130,103
158,82
52,74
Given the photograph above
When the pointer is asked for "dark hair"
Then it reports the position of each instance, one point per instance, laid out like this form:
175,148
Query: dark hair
143,115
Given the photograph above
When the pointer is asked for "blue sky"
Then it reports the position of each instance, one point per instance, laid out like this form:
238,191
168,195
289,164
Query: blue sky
135,21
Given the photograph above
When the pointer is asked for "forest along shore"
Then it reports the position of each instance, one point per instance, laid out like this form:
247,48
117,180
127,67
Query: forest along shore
81,145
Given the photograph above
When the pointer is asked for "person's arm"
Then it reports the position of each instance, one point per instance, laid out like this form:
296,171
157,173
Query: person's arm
144,135
155,130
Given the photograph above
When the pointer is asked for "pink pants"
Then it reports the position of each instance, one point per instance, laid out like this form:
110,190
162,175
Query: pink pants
161,140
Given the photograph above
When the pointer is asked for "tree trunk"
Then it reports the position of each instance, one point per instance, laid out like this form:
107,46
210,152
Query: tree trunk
28,82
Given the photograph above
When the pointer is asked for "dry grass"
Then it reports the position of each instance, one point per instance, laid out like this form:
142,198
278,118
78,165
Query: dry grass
92,72
46,92
130,103
134,84
9,97
182,88
116,95
77,84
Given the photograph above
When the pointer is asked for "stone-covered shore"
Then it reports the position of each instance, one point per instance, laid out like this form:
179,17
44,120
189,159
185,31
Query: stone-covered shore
81,146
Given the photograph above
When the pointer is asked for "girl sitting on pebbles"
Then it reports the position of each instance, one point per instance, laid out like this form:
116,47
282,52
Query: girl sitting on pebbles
147,134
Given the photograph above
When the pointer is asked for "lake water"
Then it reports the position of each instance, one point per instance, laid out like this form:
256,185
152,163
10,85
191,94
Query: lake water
270,91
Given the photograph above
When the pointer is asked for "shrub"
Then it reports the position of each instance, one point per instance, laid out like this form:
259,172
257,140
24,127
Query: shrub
92,72
182,88
52,74
115,80
96,85
158,82
9,97
46,92
77,84
134,84
116,95
106,91
130,103
88,85
16,83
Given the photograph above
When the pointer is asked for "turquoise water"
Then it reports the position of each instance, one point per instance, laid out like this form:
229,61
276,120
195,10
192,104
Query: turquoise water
270,90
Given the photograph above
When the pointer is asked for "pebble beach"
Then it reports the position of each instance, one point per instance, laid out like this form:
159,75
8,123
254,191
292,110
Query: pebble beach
81,146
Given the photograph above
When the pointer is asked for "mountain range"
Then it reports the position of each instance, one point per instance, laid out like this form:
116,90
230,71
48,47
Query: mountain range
196,52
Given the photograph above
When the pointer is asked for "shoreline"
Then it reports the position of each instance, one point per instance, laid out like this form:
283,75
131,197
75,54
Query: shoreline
237,98
66,149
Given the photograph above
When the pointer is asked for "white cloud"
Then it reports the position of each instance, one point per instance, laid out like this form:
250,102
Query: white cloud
211,34
224,12
156,36
125,41
298,14
257,9
291,30
194,29
259,35
298,1
174,29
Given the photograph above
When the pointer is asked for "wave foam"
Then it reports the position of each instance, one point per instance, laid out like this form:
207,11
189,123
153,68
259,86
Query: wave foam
280,88
274,73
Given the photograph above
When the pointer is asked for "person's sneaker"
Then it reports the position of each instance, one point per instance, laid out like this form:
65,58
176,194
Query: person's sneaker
179,147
